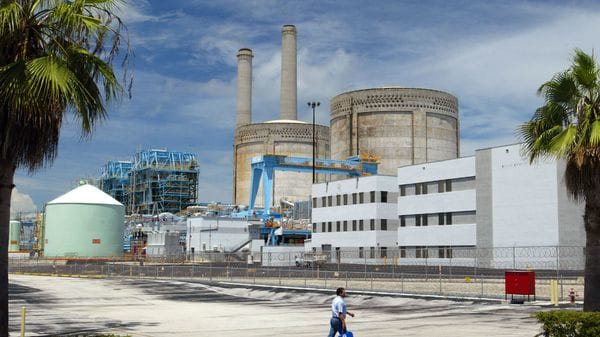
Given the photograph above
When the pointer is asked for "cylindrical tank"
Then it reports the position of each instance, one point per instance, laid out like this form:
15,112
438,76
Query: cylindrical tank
281,137
84,222
403,126
14,236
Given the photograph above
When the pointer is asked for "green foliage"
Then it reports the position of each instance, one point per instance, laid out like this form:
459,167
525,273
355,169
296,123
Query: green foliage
567,126
569,323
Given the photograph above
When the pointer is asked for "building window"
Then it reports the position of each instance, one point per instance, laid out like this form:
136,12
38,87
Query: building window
329,201
448,218
361,225
424,188
337,226
345,199
383,252
441,217
445,252
402,251
383,196
361,252
448,185
329,226
323,227
424,220
417,220
338,200
345,226
314,227
372,196
354,225
417,189
314,202
372,252
421,252
402,190
372,223
441,185
354,200
323,201
384,224
402,221
361,198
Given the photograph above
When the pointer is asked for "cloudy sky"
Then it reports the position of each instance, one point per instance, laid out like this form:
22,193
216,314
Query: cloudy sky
492,55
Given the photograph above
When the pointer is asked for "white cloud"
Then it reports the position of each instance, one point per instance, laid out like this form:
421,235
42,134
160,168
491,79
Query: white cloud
21,203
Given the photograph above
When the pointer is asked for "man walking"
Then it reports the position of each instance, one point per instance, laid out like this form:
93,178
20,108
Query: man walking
338,313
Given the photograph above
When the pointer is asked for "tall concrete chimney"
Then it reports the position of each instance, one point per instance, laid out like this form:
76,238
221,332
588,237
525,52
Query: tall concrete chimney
244,87
288,105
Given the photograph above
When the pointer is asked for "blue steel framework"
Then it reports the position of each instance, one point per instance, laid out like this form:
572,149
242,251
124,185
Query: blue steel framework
156,181
115,179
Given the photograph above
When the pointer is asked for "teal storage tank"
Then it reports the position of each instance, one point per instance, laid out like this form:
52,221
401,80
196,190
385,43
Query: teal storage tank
14,236
84,222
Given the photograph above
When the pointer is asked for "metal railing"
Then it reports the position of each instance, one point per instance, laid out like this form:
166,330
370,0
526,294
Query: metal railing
474,273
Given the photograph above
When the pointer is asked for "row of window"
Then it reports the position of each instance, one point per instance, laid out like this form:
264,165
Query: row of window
438,186
351,225
440,219
419,252
351,199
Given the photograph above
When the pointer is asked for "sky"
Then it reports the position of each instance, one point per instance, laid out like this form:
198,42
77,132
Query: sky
492,55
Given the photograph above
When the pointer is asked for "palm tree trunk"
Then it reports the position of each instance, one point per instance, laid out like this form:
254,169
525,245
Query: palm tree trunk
7,172
592,251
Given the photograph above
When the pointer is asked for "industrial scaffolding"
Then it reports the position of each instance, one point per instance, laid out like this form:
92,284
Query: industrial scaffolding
162,181
115,179
156,181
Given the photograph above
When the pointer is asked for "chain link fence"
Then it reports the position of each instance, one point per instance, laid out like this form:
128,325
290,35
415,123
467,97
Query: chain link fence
464,272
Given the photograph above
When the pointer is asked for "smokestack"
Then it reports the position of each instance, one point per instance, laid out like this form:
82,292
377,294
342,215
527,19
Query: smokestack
244,87
288,106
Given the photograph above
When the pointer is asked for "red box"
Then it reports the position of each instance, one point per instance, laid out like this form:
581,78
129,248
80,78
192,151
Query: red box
519,282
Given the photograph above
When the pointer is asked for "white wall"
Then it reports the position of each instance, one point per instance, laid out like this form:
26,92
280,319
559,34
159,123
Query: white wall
439,170
525,201
354,185
455,201
219,233
452,235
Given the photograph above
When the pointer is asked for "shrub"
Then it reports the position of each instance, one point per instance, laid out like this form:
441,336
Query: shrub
569,323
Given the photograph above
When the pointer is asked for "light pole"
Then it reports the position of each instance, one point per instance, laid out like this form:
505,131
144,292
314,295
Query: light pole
313,105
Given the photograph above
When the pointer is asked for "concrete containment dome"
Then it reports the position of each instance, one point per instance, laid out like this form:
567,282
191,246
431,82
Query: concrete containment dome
281,137
403,126
84,222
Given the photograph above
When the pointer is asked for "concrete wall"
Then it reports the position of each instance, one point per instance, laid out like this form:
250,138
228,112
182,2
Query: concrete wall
282,138
211,233
164,244
403,126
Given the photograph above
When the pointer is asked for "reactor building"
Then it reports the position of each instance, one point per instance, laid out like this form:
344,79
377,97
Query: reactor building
400,126
285,136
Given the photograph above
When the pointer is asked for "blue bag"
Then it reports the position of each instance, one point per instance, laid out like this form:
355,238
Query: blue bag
347,334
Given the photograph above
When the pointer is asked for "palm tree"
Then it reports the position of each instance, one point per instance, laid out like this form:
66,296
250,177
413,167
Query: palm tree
56,56
567,127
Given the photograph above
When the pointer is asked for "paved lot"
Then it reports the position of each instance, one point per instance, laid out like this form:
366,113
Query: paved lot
62,306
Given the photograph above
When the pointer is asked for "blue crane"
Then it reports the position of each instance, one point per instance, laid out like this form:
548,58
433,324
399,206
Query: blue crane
264,166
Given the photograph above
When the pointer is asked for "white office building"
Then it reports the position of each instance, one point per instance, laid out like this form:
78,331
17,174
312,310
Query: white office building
356,217
493,209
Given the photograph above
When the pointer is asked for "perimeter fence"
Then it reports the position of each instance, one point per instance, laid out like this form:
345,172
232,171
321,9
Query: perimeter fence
474,273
